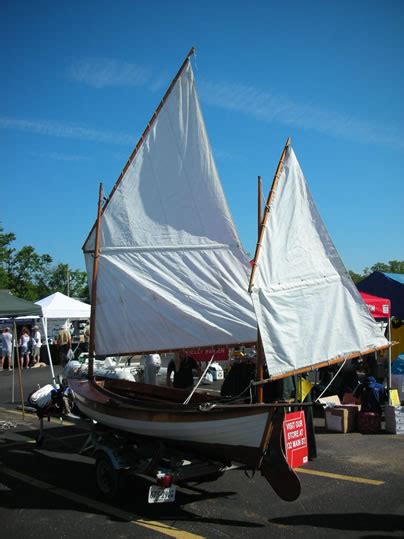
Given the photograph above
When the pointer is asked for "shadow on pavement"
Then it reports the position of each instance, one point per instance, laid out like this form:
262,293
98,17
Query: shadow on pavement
346,521
57,466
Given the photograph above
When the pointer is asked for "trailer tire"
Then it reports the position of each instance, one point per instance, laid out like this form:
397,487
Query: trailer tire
110,482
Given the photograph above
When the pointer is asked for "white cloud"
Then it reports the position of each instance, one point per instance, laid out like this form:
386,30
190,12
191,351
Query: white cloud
246,99
271,108
58,129
60,156
102,72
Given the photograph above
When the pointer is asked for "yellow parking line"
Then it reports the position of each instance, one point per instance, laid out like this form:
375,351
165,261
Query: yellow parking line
341,477
167,530
160,527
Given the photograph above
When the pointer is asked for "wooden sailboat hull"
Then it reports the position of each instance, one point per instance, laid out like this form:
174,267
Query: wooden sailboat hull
205,423
244,434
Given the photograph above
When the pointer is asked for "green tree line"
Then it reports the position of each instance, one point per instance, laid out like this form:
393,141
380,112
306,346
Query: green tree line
394,266
32,276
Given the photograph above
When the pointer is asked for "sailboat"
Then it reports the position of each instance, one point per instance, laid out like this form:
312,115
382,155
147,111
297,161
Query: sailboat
168,272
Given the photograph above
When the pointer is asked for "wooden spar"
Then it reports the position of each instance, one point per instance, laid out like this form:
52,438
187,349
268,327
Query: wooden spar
266,214
315,366
94,288
15,345
260,358
181,349
144,134
259,204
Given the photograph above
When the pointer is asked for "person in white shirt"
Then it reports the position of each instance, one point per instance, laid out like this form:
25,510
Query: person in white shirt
36,345
152,364
7,348
24,348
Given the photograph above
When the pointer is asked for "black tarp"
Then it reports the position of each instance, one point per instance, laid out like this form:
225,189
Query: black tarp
386,285
11,306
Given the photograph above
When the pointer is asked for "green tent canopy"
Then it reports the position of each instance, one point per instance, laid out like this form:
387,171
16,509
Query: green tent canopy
11,306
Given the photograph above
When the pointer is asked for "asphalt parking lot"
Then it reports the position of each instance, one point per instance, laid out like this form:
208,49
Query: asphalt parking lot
355,488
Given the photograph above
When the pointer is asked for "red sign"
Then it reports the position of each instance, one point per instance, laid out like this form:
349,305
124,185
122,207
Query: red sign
294,435
379,307
204,354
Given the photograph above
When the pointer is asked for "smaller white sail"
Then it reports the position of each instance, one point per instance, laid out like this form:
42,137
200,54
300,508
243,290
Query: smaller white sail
307,307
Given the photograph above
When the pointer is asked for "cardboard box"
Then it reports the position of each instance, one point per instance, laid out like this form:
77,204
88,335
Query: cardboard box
342,418
336,419
394,419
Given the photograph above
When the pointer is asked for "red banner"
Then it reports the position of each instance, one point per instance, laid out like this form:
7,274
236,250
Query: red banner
204,354
294,435
379,307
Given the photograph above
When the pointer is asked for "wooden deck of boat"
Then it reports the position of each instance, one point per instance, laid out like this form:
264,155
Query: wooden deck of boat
147,392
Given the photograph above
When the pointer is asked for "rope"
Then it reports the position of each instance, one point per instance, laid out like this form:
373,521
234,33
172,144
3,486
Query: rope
336,374
200,380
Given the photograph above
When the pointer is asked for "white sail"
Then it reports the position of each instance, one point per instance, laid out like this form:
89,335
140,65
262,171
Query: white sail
308,309
172,273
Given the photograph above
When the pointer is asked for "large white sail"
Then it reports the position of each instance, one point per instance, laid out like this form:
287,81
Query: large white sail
172,273
308,309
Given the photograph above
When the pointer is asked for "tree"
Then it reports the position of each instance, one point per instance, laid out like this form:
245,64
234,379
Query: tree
356,277
26,270
69,282
31,276
393,266
5,254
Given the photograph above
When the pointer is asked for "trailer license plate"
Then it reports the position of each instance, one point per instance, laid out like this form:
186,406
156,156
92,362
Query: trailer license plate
161,495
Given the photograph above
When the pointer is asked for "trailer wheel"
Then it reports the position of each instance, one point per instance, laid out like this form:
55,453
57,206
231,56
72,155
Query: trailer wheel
110,481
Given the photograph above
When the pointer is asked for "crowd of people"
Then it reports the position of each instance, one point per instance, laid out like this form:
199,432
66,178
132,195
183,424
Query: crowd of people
29,344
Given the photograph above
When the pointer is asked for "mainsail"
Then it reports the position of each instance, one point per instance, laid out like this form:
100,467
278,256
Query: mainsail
307,307
172,272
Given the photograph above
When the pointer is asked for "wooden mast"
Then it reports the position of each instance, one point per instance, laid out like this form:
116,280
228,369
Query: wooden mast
259,356
266,213
144,134
94,288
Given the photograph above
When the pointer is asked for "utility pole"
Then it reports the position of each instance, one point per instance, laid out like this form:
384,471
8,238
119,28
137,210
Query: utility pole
68,280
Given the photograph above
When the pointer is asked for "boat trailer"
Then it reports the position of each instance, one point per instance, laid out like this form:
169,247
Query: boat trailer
119,455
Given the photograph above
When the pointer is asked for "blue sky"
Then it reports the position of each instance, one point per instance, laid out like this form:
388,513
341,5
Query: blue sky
80,80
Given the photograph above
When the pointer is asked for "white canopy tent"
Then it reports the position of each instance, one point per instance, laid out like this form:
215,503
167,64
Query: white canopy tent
60,308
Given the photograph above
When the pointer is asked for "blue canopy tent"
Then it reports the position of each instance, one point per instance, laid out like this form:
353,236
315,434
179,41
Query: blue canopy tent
391,286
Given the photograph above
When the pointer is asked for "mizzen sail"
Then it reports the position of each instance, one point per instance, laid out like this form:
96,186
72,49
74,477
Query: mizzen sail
307,307
172,272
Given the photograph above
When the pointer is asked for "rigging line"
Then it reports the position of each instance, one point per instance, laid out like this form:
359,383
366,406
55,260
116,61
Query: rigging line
235,398
200,380
337,373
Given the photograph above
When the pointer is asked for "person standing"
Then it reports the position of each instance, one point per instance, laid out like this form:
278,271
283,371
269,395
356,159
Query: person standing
36,345
182,367
24,348
64,343
86,337
152,364
7,348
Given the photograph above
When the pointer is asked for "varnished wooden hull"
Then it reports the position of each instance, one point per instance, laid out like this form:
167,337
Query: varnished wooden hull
205,423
